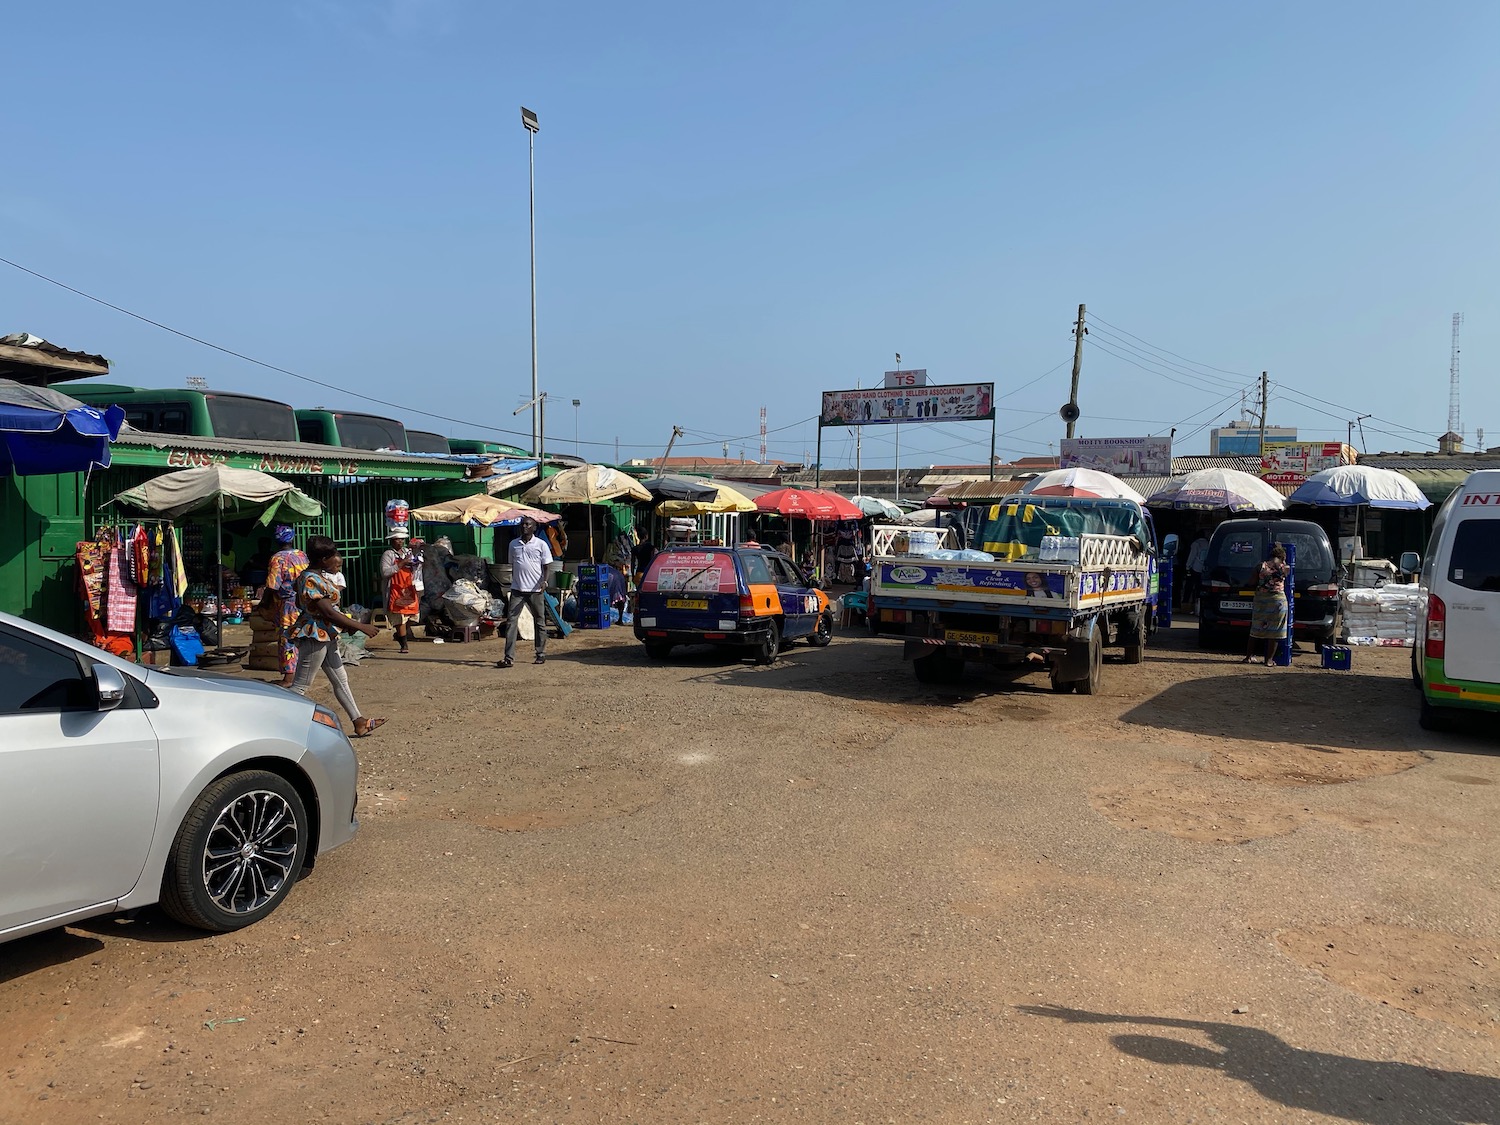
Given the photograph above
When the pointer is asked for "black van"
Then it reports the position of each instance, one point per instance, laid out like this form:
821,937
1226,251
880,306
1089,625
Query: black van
1235,553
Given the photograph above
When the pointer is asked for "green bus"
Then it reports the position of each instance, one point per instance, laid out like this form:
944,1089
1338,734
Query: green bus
471,447
221,414
349,430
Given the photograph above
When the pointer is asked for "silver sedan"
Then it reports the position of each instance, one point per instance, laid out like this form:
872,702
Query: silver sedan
122,786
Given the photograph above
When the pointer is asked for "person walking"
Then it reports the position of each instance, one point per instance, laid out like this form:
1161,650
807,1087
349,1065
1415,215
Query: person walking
529,558
1268,617
400,567
317,630
281,577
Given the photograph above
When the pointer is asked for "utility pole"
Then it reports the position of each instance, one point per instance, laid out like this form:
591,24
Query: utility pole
897,430
859,489
676,433
1349,439
1079,331
529,120
1263,389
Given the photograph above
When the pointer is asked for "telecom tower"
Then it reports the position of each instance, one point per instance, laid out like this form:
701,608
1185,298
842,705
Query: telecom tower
1455,425
763,435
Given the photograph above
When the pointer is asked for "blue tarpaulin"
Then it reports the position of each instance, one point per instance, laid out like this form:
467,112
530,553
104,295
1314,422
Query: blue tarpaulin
43,432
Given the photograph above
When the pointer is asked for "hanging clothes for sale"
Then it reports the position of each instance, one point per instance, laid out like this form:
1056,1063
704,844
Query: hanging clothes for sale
92,559
119,594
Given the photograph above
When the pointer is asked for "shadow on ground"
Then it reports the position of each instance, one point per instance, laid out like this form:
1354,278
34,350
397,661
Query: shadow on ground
44,951
1378,1093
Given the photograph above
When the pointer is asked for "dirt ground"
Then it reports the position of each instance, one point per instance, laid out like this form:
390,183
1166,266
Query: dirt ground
607,890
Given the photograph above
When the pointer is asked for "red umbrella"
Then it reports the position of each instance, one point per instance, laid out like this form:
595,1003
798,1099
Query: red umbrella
808,504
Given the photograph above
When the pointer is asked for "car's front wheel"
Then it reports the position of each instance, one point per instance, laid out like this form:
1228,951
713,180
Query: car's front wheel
238,852
824,631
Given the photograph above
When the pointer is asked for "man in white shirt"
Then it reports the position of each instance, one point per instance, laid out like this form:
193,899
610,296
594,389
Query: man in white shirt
529,558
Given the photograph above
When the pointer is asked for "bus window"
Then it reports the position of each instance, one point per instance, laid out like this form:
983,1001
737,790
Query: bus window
248,418
173,418
312,431
421,441
368,431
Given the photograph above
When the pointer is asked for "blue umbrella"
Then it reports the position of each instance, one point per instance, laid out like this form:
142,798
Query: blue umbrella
43,432
1352,486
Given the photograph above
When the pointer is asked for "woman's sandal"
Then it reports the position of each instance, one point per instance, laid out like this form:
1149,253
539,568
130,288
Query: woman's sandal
371,726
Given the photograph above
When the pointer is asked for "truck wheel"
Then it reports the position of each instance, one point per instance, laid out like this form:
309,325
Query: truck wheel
1135,641
1090,685
938,668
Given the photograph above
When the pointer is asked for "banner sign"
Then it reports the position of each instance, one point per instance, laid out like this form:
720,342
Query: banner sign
958,402
1133,456
913,378
1292,462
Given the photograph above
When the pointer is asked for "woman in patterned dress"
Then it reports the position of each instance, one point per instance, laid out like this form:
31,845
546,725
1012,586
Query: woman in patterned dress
281,576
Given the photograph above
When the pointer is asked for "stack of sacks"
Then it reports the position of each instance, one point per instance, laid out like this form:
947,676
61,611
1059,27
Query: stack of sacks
1386,615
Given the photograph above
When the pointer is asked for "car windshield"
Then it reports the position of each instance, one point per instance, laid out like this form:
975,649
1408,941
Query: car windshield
1239,551
1475,561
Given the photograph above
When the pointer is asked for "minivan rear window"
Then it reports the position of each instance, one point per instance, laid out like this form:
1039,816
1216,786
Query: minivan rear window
1241,550
1475,560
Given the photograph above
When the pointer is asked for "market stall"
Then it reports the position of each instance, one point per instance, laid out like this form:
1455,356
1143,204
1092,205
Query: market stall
213,491
833,527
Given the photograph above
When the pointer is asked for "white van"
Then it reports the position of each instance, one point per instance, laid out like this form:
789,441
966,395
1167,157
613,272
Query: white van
1456,658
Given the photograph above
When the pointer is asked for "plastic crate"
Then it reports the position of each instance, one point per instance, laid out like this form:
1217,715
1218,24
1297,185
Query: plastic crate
1337,657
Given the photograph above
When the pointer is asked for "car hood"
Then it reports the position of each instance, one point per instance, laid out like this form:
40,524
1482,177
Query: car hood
193,679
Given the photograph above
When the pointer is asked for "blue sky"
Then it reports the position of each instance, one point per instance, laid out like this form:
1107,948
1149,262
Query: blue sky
743,205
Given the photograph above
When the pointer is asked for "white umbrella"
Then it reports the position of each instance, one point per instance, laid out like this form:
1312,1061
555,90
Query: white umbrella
1350,486
1081,482
1209,490
880,509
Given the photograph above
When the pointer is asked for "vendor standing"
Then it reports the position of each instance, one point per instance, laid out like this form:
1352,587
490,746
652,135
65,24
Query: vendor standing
401,570
281,576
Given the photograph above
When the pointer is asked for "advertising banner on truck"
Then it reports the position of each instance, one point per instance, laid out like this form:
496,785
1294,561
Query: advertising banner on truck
1292,462
1131,456
957,402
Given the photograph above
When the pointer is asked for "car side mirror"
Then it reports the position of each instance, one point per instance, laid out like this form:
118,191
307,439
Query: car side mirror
1411,563
109,688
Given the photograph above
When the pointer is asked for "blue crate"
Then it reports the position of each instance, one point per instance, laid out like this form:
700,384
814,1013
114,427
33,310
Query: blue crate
1337,657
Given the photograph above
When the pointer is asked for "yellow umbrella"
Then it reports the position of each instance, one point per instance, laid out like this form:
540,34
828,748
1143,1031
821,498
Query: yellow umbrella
728,500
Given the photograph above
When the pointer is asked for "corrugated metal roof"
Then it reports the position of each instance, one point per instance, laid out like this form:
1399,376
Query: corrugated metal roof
983,489
30,359
1181,466
293,450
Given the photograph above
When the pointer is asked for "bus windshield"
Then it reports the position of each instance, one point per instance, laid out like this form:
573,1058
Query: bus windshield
368,431
421,441
246,418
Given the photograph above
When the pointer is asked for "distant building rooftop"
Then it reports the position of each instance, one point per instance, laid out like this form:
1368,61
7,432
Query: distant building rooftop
32,360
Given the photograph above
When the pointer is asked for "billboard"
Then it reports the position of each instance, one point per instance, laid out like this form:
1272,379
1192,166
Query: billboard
1292,462
1130,456
914,378
957,402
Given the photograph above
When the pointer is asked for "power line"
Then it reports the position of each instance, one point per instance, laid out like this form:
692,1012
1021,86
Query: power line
1223,370
1159,373
1126,345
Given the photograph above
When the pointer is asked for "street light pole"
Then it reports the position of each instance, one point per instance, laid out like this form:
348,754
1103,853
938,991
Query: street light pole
538,406
576,404
529,121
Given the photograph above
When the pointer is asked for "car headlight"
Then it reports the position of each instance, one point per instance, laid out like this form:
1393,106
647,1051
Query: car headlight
323,715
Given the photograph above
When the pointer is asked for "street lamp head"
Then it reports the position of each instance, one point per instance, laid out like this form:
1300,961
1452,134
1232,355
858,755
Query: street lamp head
528,119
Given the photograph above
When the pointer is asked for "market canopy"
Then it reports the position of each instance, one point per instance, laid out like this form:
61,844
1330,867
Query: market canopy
587,484
808,504
727,500
1211,490
1081,482
482,510
43,432
673,487
878,508
236,493
1350,486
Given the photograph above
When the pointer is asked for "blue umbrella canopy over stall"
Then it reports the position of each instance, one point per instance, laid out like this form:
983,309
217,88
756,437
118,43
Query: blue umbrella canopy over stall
1352,486
43,432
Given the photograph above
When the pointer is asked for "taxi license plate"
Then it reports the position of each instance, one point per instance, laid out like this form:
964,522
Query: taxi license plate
956,637
1228,603
687,603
